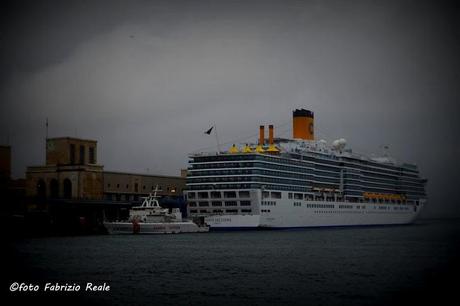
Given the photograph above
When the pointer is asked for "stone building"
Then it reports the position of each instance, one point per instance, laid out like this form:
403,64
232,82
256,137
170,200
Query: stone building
72,172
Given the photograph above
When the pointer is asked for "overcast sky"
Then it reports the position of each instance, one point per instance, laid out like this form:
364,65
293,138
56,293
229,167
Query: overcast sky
147,78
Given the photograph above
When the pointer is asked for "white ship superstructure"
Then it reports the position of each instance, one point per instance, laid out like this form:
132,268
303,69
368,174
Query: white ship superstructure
301,182
151,218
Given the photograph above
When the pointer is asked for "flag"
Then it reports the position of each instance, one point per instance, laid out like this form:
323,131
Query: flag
209,131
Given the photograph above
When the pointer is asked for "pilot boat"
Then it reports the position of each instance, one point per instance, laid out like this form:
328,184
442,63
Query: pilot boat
151,218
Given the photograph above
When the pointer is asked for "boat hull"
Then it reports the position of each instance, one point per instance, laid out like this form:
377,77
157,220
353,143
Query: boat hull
318,214
153,228
233,222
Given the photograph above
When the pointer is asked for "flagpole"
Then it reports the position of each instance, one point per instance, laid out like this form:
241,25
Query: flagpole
46,137
217,138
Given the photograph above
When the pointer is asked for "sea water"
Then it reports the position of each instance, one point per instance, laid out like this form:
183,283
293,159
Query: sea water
381,265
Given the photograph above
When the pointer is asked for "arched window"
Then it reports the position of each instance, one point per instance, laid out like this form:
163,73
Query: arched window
67,189
41,189
54,188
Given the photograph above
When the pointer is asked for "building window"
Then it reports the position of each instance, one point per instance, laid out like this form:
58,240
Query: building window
82,154
118,185
92,156
67,189
136,187
41,189
72,153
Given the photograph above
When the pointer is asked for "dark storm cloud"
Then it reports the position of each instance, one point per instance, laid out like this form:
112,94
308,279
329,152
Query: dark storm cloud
146,78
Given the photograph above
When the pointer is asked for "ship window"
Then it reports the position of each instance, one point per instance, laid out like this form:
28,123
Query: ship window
265,194
192,204
276,195
246,210
193,211
216,194
229,194
217,211
230,203
244,194
245,203
202,195
203,204
191,195
203,211
298,196
231,210
216,203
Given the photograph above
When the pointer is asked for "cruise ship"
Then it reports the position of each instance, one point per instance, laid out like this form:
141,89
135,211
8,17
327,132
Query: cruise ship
300,182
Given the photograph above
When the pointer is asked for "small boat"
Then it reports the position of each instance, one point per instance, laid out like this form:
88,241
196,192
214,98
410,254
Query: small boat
151,218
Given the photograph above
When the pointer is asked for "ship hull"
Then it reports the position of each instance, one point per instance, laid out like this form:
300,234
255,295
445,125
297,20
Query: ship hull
233,222
153,228
319,214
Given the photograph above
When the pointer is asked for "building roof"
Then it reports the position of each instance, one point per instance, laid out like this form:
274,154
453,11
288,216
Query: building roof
71,138
144,174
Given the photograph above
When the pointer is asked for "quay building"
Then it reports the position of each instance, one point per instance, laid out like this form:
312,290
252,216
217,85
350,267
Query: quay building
74,181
